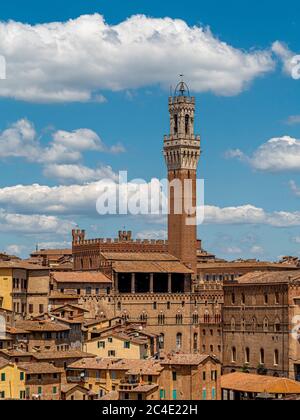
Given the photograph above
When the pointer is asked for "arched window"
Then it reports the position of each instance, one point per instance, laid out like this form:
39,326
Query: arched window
233,298
232,324
266,298
91,263
179,341
243,299
176,123
144,317
254,324
266,325
161,341
262,356
119,305
187,124
161,319
276,357
179,319
195,319
195,342
247,355
277,325
243,325
233,354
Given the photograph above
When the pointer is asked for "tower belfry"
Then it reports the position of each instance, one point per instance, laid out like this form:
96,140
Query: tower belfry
182,153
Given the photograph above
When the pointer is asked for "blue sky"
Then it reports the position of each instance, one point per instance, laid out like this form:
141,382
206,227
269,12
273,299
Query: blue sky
61,79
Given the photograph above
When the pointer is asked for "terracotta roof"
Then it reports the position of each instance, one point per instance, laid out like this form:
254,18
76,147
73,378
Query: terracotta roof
185,359
22,265
15,353
111,396
70,305
263,277
150,267
72,354
80,277
46,252
41,326
3,362
144,388
244,382
69,387
245,264
132,367
138,256
39,368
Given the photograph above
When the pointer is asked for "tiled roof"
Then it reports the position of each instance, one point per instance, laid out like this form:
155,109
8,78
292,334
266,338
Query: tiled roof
62,296
262,277
259,384
80,277
111,396
45,326
22,265
52,252
144,388
69,387
3,362
245,264
72,354
39,368
132,367
138,256
150,267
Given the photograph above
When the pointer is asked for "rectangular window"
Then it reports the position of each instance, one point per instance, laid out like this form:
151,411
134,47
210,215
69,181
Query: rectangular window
204,394
2,394
127,345
30,309
2,377
21,376
113,375
40,390
174,394
41,309
112,353
54,390
174,374
162,394
213,394
101,344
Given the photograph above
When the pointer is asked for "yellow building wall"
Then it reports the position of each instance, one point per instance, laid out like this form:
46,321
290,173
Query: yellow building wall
6,288
135,352
13,385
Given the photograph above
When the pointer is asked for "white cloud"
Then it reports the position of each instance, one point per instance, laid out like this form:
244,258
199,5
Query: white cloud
257,250
21,140
15,249
78,173
76,60
33,224
276,155
285,54
81,200
55,245
250,215
152,234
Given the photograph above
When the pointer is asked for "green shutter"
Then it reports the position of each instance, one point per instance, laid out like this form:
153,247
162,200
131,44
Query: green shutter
2,377
174,394
213,393
204,395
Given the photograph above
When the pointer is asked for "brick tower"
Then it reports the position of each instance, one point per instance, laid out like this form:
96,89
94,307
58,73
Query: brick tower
182,153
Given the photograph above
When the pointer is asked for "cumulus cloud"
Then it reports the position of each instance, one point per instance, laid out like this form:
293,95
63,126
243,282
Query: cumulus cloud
78,173
81,200
252,215
79,59
276,155
33,224
21,140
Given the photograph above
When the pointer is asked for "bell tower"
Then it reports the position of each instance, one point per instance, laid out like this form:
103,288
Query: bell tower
182,153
